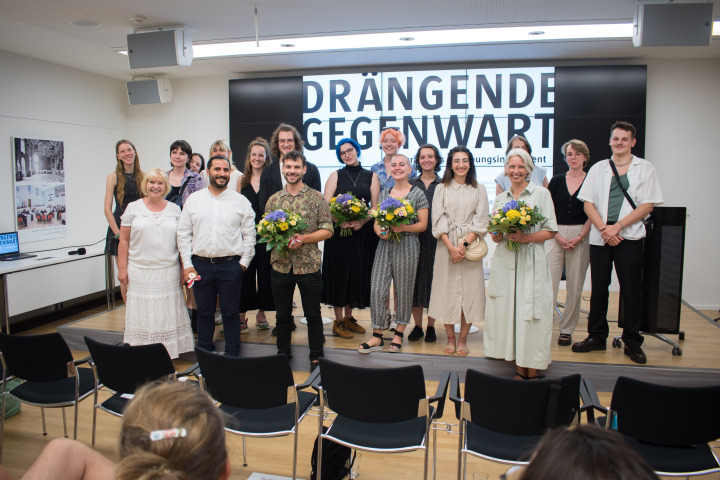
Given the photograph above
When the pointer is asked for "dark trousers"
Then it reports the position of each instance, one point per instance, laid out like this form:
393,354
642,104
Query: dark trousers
222,280
628,260
283,288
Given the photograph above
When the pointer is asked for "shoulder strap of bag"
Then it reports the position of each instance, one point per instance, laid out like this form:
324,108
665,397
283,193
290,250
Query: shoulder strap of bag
617,178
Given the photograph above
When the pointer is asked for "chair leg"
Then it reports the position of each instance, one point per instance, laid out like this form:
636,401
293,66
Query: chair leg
94,423
2,420
244,452
425,465
64,422
460,447
434,453
295,452
76,421
42,413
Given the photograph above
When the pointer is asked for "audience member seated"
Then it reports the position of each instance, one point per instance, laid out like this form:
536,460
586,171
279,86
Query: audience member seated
170,430
586,452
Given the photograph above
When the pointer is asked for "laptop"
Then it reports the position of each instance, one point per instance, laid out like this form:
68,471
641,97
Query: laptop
10,248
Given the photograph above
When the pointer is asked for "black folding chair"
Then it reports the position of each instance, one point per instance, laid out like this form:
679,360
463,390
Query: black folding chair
502,419
382,410
669,426
258,395
49,372
123,369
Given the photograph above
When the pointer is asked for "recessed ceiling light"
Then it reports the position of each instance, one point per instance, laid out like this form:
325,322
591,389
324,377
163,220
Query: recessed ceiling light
287,45
536,32
407,39
85,23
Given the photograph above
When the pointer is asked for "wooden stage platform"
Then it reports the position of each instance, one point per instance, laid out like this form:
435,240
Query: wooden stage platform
698,365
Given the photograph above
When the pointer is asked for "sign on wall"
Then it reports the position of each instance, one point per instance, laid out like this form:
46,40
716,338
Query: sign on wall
39,175
477,108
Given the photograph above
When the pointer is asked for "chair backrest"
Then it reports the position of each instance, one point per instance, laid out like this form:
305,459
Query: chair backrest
125,368
36,358
377,395
517,407
254,382
665,415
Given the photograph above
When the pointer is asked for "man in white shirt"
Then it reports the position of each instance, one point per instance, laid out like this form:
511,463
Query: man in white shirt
616,237
216,239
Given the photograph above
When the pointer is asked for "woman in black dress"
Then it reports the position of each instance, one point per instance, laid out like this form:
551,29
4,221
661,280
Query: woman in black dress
255,292
427,161
348,261
123,187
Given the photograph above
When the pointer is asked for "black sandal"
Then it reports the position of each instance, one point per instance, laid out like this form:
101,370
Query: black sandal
396,347
564,339
365,348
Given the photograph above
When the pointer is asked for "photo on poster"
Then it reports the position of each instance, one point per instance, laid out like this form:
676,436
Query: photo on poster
39,174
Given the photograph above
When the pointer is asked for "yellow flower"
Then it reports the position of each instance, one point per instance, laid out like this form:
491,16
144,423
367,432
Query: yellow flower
389,216
283,226
259,228
527,218
512,214
355,209
410,209
497,215
522,222
293,222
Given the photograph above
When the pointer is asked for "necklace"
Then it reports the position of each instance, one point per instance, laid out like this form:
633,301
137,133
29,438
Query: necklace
622,164
354,182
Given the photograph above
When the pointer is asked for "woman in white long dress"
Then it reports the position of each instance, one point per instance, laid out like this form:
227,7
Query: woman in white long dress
149,265
459,216
518,317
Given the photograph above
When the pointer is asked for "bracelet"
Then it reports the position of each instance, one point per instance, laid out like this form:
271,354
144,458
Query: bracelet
582,237
116,236
620,223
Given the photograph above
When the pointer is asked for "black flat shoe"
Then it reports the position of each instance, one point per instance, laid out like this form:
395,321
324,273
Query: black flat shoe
416,334
636,355
588,345
430,335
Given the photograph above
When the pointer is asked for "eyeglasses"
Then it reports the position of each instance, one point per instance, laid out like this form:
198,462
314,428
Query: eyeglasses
573,155
286,140
344,153
397,129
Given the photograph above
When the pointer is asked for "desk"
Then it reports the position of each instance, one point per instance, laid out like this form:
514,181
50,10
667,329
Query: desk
51,278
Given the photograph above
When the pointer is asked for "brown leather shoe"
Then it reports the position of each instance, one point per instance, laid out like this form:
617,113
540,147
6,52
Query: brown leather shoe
339,329
352,325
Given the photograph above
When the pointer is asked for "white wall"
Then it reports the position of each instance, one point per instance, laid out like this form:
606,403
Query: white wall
198,113
683,129
87,111
90,113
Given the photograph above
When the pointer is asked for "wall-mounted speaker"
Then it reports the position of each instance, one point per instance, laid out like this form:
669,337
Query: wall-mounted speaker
162,48
144,92
673,24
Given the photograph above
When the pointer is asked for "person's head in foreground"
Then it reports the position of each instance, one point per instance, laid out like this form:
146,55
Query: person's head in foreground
586,452
171,430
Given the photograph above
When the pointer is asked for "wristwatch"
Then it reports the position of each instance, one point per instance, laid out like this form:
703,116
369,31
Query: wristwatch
466,244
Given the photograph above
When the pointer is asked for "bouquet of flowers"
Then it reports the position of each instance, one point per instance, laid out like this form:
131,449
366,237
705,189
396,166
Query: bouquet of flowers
514,217
277,227
347,208
392,211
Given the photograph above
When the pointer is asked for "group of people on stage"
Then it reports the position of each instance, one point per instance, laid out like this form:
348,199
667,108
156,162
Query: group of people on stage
163,218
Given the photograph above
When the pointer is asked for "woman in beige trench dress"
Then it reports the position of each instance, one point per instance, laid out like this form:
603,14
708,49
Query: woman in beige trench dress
459,216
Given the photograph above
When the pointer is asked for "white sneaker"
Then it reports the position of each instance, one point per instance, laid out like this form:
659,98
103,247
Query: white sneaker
218,317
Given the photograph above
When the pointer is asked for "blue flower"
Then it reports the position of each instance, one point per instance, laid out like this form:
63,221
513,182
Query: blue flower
390,203
277,215
344,198
512,204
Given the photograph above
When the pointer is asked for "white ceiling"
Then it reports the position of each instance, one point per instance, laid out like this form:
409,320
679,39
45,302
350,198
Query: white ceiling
42,29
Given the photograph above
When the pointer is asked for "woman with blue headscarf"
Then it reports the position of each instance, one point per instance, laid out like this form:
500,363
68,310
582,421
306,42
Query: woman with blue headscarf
348,260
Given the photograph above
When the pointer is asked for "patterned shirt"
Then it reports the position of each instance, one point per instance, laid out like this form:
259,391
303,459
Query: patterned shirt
315,210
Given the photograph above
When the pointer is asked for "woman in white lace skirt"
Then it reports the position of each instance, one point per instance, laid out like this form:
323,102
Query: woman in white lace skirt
149,265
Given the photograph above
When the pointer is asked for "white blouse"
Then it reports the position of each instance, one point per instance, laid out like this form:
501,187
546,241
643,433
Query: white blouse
153,235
